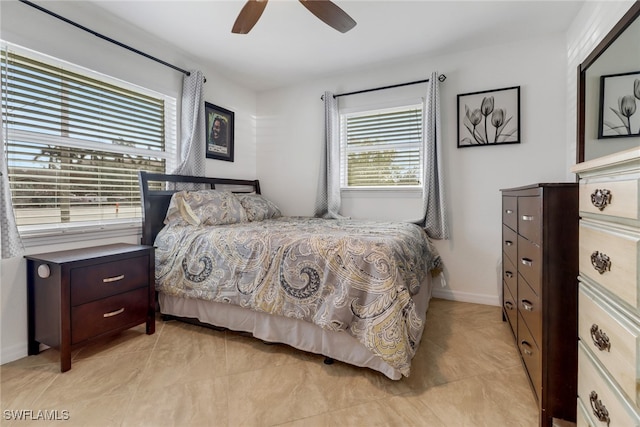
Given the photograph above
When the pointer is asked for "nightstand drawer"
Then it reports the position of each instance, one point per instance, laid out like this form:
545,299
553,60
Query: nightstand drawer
530,218
530,263
510,212
116,312
110,278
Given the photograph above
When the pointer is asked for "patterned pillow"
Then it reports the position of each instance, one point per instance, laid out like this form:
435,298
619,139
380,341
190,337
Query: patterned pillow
205,207
257,207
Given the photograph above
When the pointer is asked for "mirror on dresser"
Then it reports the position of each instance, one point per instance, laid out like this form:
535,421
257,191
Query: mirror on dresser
618,53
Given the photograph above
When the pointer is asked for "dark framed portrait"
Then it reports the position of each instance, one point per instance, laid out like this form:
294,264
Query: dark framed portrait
489,117
618,96
219,132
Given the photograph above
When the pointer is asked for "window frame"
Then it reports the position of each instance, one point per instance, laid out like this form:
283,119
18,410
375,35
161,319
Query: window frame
35,235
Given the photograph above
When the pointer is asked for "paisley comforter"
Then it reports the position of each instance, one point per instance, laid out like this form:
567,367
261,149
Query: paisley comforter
342,275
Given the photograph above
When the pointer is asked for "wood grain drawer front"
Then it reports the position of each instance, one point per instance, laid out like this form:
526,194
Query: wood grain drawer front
531,309
98,317
613,340
510,243
610,256
510,308
598,394
510,276
530,263
94,282
510,212
614,198
531,356
530,218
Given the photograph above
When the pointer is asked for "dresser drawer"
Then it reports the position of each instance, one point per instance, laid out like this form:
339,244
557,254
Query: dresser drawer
510,211
510,276
510,308
596,392
613,340
510,243
530,263
530,218
609,256
622,200
110,278
531,356
116,312
583,419
530,308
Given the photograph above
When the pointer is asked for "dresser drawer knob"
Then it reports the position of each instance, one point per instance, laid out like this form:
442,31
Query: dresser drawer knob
508,305
113,313
599,410
526,348
527,217
508,211
600,339
601,262
113,279
527,305
600,198
508,274
508,243
526,261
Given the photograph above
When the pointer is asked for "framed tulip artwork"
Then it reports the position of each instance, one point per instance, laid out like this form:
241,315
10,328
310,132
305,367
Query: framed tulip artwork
489,117
619,105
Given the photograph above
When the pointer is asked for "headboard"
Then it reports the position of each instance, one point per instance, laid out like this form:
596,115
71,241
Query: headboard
156,190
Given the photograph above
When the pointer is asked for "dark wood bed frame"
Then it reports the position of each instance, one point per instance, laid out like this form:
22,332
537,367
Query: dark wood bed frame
156,190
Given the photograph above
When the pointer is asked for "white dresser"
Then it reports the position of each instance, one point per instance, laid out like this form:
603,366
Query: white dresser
609,291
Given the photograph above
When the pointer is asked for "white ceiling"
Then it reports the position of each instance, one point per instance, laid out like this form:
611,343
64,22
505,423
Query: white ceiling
289,44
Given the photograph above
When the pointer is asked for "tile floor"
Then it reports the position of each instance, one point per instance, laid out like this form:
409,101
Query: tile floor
466,373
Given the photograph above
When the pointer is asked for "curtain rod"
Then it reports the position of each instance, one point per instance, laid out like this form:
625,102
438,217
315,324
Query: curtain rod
441,78
109,39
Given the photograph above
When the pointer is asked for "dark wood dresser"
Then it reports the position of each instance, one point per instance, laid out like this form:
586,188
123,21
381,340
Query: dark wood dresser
539,270
78,295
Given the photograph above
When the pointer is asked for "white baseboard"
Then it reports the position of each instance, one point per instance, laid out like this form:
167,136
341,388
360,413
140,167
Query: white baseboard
448,294
14,352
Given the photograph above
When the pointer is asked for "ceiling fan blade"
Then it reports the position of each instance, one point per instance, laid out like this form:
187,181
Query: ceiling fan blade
330,14
248,16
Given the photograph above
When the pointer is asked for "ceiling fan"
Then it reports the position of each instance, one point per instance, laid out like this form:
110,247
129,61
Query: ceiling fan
325,10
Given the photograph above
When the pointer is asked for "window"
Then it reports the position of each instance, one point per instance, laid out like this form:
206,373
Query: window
381,148
75,141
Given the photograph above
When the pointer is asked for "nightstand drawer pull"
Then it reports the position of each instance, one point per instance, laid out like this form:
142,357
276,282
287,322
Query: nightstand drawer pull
114,313
113,279
526,348
527,305
600,198
601,262
526,261
527,217
599,410
600,339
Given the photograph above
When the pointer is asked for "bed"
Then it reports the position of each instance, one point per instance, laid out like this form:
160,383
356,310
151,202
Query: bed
352,290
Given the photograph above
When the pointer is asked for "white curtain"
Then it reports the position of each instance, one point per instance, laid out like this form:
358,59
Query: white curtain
328,200
10,241
192,126
433,197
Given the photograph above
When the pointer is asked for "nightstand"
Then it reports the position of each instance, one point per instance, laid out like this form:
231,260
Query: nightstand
77,295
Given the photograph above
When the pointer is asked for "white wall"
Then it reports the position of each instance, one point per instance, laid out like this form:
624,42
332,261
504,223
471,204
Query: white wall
25,26
473,175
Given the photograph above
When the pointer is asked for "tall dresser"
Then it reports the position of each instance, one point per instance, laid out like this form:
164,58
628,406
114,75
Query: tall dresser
539,270
609,291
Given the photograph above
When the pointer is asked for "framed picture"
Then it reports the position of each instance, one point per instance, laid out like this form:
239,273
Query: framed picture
619,114
489,117
219,132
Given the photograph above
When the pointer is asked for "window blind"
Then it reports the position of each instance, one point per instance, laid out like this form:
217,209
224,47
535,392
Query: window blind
382,147
75,142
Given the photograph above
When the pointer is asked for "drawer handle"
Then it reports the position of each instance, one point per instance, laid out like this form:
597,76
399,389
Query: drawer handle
526,348
599,410
526,261
600,198
601,262
527,305
508,274
508,242
527,217
113,313
113,279
508,211
600,339
508,305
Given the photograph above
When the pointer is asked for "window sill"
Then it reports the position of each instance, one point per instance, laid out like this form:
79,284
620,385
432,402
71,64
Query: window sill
32,237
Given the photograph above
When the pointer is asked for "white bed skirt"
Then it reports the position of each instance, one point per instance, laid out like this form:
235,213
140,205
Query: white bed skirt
294,332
